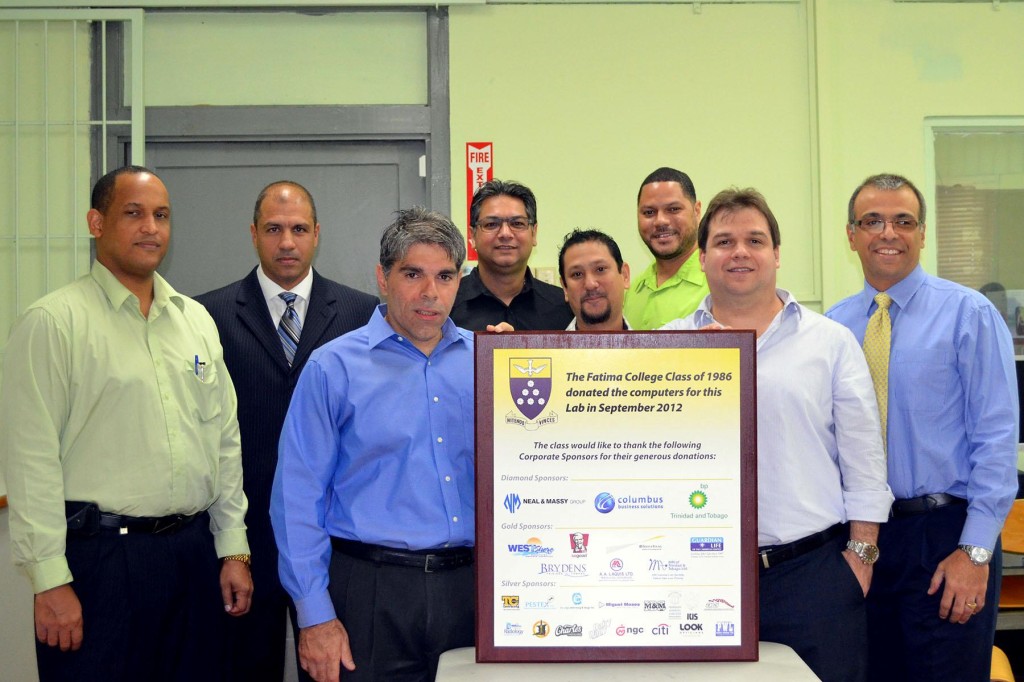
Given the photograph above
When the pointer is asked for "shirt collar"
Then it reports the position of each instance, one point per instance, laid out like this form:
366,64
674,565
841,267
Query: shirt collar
790,306
272,289
474,286
572,325
689,271
117,293
379,330
901,292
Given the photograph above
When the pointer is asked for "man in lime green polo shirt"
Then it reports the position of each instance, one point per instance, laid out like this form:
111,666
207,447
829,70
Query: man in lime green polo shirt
673,285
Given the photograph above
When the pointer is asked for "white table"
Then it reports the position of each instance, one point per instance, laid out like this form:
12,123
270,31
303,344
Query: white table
778,662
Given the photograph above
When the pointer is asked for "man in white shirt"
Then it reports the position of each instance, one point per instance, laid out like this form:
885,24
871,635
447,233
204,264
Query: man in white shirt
822,488
594,279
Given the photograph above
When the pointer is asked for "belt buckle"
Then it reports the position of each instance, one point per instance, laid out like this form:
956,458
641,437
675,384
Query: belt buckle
166,524
426,564
764,558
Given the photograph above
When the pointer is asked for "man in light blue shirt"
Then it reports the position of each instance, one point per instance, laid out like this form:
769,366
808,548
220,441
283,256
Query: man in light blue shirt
373,498
952,446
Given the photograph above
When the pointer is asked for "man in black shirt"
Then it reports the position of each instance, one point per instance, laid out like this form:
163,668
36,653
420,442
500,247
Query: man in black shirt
502,288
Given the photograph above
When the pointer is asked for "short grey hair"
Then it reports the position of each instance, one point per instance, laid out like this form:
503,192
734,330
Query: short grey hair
417,225
889,182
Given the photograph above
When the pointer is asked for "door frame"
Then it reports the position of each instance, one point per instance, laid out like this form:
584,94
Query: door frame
428,123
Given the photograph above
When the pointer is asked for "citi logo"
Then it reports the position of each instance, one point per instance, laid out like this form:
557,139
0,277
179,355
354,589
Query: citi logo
660,629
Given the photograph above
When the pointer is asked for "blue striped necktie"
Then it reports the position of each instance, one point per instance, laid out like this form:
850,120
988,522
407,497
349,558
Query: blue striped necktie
290,327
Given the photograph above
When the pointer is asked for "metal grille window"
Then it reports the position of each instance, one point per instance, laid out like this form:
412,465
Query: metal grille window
55,104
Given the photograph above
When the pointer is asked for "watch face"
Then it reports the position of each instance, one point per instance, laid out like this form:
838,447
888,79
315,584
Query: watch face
980,555
866,552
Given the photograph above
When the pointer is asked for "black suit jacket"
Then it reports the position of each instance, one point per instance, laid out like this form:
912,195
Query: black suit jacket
263,380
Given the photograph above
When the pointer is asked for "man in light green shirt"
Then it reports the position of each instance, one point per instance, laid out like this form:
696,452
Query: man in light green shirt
674,284
122,459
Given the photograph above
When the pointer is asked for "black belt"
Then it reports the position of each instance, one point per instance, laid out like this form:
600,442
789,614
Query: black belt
776,554
923,504
145,524
427,560
85,518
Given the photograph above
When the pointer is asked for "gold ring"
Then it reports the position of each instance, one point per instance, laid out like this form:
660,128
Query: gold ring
971,605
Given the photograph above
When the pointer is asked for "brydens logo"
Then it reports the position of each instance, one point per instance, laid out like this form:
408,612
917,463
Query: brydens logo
604,502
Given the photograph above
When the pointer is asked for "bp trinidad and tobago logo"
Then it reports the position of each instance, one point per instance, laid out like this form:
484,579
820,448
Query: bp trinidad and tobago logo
530,382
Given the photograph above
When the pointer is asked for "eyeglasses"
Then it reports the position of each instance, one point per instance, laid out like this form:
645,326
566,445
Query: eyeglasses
515,223
877,225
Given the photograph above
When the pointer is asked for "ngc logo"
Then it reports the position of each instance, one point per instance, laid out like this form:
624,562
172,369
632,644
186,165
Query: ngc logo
622,630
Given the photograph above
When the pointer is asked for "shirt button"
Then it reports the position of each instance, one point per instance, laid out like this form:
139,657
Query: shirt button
455,519
436,399
440,440
400,338
448,479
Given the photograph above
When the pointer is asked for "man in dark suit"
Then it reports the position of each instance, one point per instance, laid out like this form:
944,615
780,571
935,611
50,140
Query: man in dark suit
269,323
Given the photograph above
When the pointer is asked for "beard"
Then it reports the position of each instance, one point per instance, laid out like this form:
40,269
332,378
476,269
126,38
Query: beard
599,318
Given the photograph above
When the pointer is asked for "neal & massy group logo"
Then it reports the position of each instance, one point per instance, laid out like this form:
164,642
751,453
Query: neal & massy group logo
578,542
604,502
529,380
513,503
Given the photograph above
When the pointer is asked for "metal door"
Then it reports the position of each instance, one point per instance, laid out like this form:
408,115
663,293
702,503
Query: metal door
356,185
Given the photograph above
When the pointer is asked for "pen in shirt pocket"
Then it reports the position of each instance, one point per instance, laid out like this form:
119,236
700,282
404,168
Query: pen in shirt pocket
200,368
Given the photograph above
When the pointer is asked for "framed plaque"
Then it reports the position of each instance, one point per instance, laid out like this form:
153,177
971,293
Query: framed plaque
616,496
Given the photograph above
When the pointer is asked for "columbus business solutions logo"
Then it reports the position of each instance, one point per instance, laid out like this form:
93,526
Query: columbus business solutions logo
605,502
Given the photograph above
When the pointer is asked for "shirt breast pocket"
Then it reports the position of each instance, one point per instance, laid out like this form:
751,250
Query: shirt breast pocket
923,380
203,393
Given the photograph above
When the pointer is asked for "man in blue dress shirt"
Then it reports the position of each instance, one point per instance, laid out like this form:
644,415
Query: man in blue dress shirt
372,505
952,447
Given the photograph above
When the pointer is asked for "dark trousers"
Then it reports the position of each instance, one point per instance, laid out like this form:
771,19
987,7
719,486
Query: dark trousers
814,604
256,641
151,608
908,640
399,619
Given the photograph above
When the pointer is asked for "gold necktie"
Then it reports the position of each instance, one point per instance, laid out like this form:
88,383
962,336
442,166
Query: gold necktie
876,350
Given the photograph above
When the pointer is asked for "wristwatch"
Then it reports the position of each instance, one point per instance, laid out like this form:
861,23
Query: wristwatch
979,555
244,558
865,551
